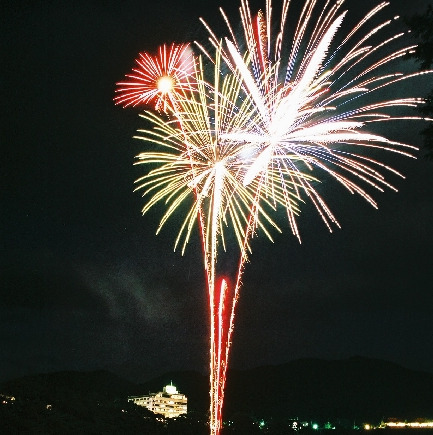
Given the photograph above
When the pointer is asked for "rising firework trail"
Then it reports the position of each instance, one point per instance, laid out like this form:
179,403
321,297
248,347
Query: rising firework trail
254,130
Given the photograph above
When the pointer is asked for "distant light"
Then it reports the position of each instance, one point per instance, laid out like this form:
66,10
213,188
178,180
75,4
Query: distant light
315,426
367,427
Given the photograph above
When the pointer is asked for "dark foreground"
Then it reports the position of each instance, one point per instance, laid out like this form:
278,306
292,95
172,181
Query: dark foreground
307,396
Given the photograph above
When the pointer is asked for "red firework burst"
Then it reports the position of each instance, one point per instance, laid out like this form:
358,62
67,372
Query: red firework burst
158,80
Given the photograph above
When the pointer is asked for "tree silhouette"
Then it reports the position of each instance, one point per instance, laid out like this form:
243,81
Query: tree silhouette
421,27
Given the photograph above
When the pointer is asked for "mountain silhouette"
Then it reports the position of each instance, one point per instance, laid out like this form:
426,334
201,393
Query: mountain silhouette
357,388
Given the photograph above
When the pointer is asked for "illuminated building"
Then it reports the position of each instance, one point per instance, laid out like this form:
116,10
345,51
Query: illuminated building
394,423
168,402
420,423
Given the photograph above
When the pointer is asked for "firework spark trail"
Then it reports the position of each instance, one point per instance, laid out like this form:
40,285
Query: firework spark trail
297,114
241,145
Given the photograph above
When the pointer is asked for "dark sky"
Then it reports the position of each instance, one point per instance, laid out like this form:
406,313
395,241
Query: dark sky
84,281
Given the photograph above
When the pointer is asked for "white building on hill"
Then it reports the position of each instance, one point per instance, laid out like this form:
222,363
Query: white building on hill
169,402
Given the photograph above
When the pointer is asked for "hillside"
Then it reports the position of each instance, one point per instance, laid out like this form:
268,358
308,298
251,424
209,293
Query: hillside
358,389
311,388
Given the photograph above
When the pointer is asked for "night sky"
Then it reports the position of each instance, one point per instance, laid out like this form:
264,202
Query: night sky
84,281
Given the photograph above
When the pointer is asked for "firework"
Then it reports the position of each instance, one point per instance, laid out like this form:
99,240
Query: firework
157,80
291,110
302,121
196,164
311,111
